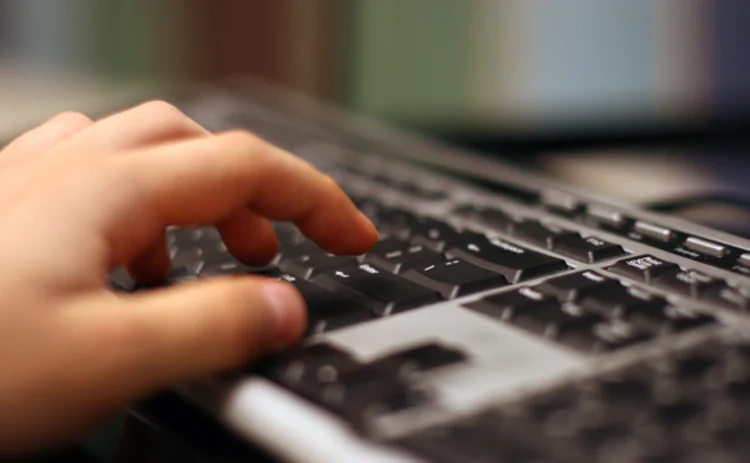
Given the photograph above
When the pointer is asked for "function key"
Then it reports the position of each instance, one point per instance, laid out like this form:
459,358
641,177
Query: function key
653,231
560,202
590,249
573,287
744,259
707,248
687,282
607,217
642,268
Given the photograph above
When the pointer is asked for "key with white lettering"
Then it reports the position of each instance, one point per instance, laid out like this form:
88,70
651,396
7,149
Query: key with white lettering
505,305
576,286
454,277
643,268
381,291
513,262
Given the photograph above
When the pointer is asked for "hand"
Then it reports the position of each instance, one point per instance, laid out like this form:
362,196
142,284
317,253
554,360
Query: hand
78,198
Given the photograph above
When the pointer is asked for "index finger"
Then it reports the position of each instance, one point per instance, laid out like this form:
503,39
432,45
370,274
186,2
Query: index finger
201,181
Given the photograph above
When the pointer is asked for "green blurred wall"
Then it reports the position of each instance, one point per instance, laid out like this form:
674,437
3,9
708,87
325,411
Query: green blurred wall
408,59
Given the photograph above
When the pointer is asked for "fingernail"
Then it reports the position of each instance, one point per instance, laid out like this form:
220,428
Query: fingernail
288,309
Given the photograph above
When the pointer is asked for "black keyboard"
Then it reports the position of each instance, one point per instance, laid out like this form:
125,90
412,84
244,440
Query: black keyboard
516,323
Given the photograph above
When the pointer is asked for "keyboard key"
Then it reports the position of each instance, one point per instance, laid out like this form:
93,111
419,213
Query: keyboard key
504,305
422,358
309,265
622,387
120,280
361,394
561,203
675,411
433,234
186,237
514,262
234,267
608,218
454,277
653,231
707,248
429,194
573,287
491,217
534,232
478,439
552,322
304,369
328,311
396,255
620,302
191,259
294,249
643,268
687,282
671,320
396,222
288,234
605,337
731,298
690,367
371,207
590,249
381,291
744,259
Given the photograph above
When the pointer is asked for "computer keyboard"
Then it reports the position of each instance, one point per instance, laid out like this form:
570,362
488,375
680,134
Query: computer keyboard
515,323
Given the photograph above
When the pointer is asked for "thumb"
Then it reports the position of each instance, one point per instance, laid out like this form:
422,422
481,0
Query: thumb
195,329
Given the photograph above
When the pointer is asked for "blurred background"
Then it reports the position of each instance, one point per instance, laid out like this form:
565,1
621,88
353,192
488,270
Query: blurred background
493,68
516,77
645,100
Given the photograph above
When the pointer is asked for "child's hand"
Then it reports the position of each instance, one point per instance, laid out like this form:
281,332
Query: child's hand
78,198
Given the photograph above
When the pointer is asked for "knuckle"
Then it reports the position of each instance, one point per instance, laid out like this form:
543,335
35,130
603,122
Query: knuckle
73,118
242,138
164,112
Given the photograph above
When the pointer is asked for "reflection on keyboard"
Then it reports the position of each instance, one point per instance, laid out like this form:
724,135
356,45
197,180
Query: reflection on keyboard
578,278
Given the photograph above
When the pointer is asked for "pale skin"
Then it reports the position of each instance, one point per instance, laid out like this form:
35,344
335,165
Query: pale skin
79,197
